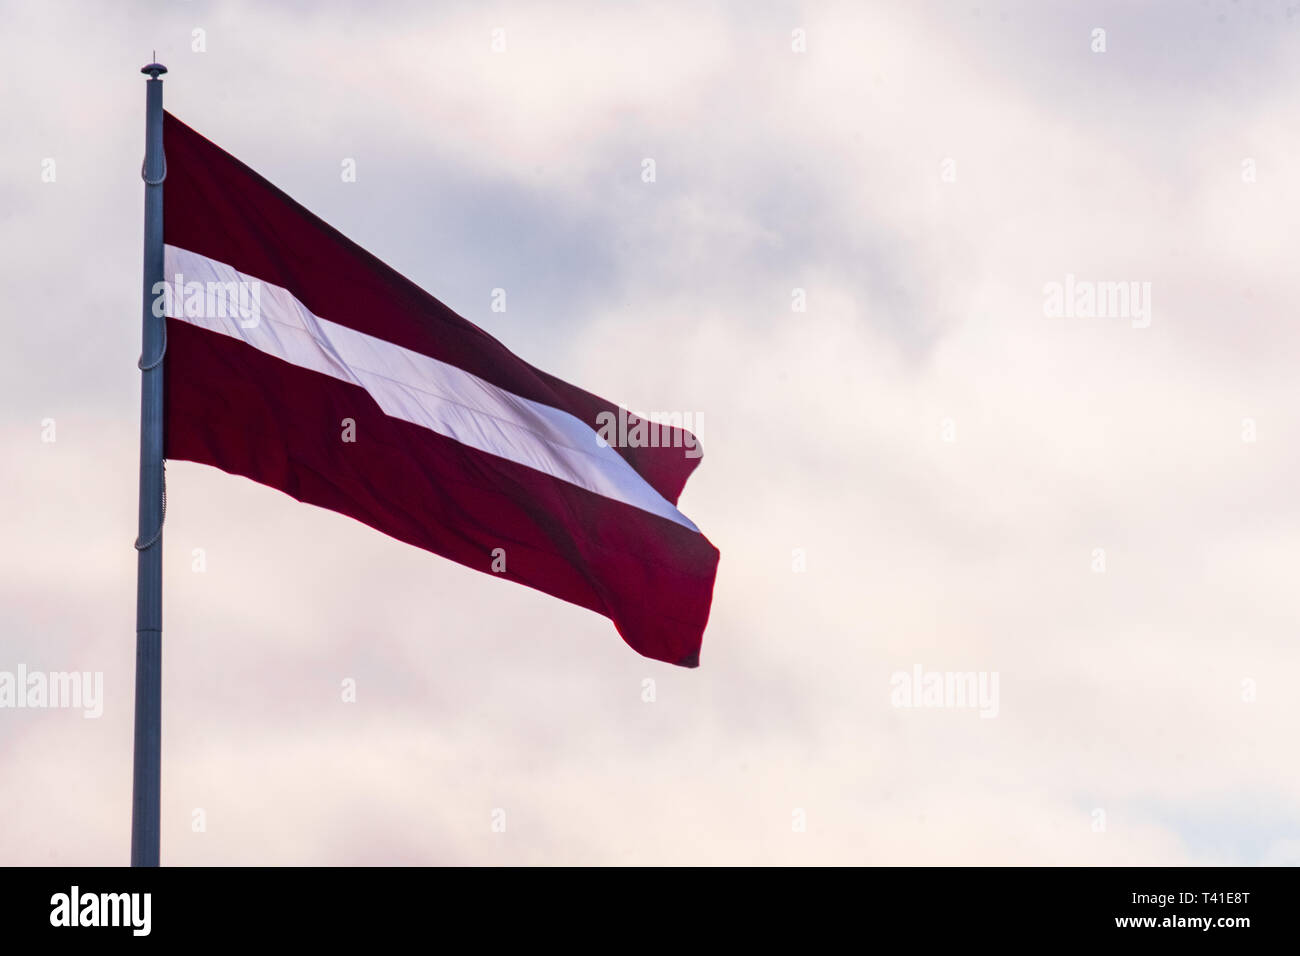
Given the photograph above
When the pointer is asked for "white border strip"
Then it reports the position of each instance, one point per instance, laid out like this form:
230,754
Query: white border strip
418,389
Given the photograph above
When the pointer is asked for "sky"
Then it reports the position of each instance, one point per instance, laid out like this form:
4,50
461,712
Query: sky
843,267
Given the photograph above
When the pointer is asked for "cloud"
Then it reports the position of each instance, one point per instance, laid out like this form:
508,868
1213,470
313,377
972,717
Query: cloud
1154,692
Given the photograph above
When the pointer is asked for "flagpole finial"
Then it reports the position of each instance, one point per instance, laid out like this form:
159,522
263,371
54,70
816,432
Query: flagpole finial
154,70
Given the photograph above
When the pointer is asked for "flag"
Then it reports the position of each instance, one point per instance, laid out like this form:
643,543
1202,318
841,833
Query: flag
299,360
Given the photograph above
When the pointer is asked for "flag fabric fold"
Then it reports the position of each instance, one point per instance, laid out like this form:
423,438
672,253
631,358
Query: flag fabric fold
299,360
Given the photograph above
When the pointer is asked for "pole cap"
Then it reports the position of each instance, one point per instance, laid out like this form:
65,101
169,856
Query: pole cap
154,70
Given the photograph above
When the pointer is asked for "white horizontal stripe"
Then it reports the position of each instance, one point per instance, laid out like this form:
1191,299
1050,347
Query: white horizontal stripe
419,389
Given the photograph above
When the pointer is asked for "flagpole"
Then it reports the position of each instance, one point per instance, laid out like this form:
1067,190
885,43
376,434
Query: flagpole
147,779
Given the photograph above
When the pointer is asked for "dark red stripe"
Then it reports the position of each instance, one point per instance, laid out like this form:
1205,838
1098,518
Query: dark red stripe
216,206
252,414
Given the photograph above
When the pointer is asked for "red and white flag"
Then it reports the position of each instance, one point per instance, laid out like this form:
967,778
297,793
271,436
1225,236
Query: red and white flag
299,360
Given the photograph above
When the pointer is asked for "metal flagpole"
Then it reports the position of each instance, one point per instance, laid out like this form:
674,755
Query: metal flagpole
146,784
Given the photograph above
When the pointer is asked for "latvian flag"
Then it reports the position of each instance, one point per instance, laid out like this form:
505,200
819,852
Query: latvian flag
348,387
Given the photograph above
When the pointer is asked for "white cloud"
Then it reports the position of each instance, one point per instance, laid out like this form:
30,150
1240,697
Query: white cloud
823,431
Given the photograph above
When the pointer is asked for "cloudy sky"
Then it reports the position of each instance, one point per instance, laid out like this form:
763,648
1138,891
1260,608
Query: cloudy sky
921,469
